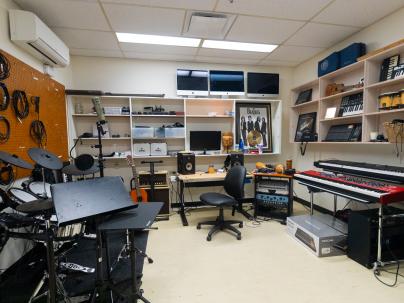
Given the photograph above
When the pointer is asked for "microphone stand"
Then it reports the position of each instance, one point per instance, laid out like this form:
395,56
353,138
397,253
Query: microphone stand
101,160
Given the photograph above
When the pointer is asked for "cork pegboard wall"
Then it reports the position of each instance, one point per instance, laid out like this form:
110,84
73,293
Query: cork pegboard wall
52,112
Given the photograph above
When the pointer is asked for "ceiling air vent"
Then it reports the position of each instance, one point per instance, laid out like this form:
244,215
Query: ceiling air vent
208,25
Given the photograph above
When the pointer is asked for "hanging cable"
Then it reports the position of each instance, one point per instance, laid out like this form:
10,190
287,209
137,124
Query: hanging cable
4,136
37,129
20,104
4,67
5,97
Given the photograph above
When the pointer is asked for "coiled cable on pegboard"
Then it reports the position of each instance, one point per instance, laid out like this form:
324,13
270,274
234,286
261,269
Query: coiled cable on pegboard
4,67
4,136
5,99
20,104
37,129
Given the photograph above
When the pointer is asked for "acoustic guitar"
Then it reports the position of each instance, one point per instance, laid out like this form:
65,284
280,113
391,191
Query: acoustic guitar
138,194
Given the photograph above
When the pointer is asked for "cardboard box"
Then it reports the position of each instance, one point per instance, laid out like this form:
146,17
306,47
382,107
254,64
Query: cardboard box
141,149
158,149
317,236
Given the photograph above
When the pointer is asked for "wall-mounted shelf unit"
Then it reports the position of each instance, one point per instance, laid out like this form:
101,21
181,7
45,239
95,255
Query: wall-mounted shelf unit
197,115
372,118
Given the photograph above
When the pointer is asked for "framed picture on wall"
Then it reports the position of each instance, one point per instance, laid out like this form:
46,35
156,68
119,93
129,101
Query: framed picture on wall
306,124
254,125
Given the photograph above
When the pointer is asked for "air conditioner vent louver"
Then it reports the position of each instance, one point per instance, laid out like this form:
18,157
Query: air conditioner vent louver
207,25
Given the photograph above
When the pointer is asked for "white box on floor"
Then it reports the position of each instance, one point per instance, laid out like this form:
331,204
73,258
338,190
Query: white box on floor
315,234
143,132
158,149
141,149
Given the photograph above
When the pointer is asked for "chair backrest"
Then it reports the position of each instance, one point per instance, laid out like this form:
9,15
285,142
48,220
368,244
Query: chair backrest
234,181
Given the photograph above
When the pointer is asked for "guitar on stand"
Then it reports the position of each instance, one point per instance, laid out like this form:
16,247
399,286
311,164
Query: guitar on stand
138,194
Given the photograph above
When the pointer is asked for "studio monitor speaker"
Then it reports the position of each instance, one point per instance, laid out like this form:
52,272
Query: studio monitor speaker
236,159
186,163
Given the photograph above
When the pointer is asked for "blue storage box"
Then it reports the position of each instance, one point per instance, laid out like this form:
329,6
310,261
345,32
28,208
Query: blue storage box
349,54
329,64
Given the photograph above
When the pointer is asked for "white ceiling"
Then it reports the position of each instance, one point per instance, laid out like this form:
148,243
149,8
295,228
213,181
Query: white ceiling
302,28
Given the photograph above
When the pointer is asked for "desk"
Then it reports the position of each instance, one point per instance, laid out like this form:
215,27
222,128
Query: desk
201,179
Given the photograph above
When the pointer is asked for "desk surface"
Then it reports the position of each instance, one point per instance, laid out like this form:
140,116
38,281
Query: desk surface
202,176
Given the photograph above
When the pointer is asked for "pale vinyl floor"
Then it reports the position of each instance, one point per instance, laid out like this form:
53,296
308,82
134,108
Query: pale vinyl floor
267,265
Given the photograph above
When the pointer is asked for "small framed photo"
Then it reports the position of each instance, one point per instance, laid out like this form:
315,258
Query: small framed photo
305,124
254,125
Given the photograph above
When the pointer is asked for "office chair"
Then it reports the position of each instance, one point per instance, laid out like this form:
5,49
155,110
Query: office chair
234,187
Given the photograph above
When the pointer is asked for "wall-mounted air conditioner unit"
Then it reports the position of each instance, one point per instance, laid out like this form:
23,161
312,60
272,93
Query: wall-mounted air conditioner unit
30,33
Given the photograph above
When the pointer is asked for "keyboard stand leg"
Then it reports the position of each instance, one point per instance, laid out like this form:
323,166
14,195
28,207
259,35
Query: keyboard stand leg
311,203
379,262
335,204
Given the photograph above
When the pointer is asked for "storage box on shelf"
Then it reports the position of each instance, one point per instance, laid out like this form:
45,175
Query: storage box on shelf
372,118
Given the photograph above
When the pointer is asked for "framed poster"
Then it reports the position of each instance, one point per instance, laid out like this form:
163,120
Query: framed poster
254,125
304,96
305,124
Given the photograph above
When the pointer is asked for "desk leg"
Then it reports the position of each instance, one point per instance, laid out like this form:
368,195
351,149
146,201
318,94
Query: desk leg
182,207
311,203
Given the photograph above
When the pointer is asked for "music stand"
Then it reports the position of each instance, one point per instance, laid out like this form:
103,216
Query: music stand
133,220
95,198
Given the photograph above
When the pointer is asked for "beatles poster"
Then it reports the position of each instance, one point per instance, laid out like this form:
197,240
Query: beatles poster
254,125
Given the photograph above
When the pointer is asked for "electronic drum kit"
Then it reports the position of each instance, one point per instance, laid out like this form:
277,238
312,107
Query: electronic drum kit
34,210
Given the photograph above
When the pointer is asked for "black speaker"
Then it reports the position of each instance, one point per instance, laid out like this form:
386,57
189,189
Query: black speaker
186,163
237,159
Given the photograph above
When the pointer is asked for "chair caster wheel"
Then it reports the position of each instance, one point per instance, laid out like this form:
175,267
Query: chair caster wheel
238,237
208,238
240,225
198,226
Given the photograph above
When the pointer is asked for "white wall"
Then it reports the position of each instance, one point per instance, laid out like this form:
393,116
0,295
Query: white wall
62,75
381,33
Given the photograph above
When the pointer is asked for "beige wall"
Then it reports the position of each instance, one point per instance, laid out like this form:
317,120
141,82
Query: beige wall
381,33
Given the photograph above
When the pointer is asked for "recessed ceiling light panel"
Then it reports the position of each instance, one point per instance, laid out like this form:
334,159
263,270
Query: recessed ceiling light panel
240,46
156,39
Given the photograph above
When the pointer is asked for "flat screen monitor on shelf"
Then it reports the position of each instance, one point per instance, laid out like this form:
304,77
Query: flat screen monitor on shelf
192,82
203,141
228,83
262,85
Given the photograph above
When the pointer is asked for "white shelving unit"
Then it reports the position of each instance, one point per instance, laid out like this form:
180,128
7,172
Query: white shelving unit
196,117
372,119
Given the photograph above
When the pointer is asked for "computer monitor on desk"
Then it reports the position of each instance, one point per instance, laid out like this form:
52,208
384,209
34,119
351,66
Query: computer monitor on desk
205,142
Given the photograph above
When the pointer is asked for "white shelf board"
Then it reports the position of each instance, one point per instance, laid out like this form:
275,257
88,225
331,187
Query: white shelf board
385,83
106,139
302,105
386,112
353,117
94,116
159,116
344,70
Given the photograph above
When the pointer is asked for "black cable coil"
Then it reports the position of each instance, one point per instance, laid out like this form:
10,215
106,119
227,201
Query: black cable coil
4,67
20,104
6,135
5,98
38,133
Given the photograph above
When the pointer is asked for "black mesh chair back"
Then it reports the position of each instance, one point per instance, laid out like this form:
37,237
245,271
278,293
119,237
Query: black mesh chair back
234,181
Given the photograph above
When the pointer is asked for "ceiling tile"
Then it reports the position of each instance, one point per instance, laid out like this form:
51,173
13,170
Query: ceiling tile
147,48
221,53
87,39
71,14
282,9
145,20
95,53
226,60
320,35
262,30
294,53
184,4
279,63
360,13
155,56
